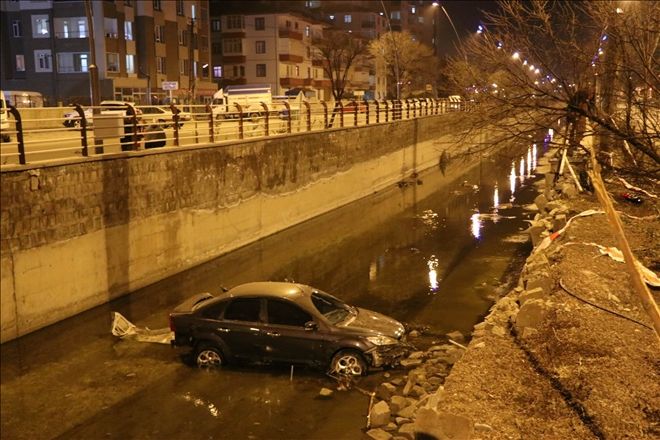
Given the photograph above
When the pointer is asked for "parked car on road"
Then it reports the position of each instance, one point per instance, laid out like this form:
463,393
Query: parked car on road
72,118
164,117
285,322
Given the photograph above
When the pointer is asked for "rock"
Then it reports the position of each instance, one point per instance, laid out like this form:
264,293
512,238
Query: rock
416,355
535,232
407,431
456,336
409,363
437,347
413,334
325,393
498,331
398,381
391,427
541,202
540,280
380,414
409,385
531,314
443,425
568,189
479,345
402,420
527,295
385,391
418,391
558,222
398,403
378,434
482,427
408,412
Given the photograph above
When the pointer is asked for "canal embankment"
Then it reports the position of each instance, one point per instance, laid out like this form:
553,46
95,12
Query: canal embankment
569,352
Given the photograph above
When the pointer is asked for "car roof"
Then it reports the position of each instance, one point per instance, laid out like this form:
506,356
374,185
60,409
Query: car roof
274,289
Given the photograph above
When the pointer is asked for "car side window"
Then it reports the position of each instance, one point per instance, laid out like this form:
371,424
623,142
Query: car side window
244,309
214,311
283,313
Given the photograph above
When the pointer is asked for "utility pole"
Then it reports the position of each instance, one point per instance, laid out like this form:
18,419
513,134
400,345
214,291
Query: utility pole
396,53
191,60
93,71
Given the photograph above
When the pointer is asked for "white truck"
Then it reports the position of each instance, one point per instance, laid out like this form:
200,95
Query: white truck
249,97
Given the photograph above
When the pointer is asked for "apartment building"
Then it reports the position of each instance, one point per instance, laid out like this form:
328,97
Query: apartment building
268,48
139,44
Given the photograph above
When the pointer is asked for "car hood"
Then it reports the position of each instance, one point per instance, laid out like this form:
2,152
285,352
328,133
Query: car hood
373,323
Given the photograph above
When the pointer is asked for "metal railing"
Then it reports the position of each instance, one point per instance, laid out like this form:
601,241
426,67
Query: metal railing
45,134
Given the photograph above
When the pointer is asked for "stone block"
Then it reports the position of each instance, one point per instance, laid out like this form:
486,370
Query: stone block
408,411
535,233
379,434
397,403
407,431
380,414
385,391
540,201
527,295
539,279
443,425
531,314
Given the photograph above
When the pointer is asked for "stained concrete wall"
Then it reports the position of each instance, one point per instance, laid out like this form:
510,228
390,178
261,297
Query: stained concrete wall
79,234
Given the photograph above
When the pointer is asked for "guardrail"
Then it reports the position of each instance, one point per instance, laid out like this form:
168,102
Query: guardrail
44,134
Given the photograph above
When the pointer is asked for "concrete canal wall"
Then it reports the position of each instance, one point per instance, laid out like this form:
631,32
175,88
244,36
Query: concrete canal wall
80,233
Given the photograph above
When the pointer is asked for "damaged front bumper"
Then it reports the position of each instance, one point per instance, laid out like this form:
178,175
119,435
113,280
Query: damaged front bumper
388,355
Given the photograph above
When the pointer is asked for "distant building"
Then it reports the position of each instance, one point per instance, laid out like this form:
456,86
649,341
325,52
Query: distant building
139,45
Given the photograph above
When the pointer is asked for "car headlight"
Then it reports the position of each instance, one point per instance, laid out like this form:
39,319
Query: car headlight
382,340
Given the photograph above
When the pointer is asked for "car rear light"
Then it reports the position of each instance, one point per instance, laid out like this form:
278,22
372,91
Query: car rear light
172,326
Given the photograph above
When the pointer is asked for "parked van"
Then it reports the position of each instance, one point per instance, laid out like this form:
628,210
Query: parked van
4,118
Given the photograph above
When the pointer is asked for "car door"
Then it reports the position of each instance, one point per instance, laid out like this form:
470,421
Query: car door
287,339
241,328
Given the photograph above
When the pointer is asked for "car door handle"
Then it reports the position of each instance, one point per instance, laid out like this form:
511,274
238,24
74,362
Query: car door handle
223,330
272,333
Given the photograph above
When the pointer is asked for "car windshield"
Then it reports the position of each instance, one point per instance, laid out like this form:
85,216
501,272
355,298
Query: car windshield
332,308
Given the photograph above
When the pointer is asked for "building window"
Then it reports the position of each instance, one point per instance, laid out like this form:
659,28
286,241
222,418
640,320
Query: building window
309,52
347,18
217,71
160,65
183,38
242,69
68,62
16,29
307,31
235,22
232,45
216,26
110,27
40,26
216,47
395,15
157,5
259,23
297,71
43,61
260,46
128,30
413,10
20,63
160,33
179,8
130,63
261,70
295,25
112,60
71,27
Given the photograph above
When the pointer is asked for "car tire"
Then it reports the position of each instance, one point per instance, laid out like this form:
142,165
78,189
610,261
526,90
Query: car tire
208,356
348,363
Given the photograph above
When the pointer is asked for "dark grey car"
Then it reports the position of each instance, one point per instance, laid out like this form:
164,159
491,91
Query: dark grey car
285,322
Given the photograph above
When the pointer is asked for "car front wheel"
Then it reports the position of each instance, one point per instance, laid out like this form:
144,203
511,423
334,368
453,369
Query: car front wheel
208,356
348,363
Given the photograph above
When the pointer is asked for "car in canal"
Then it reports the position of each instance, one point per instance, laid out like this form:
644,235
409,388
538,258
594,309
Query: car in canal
286,322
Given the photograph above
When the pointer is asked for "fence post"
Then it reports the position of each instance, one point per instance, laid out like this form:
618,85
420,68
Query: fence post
341,114
288,117
355,112
83,129
266,116
175,117
387,112
325,114
377,111
209,111
130,111
19,134
366,112
240,120
308,110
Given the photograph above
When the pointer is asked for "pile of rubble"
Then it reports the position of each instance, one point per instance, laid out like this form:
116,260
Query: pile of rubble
400,399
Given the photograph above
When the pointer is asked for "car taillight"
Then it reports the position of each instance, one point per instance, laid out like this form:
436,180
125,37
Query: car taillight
172,326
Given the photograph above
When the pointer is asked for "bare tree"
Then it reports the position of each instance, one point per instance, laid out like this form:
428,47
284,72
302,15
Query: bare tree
337,52
417,65
590,64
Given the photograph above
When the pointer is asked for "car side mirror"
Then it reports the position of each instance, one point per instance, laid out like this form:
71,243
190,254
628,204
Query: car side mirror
311,326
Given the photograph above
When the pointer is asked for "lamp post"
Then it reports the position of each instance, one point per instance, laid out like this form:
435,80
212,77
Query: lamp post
93,71
451,22
396,53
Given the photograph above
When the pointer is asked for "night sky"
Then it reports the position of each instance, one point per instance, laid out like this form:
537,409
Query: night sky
466,15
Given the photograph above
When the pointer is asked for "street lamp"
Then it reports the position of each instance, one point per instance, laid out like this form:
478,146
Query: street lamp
458,38
396,53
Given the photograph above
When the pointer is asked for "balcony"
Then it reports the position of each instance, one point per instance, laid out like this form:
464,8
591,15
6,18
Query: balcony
288,33
233,34
291,82
287,57
233,59
317,63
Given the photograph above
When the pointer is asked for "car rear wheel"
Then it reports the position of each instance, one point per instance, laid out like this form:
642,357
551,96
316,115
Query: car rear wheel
348,363
208,356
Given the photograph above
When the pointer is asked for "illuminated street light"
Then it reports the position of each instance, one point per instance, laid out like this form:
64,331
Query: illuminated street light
515,56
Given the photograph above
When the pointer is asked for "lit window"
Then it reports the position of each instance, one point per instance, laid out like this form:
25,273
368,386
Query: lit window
43,61
112,60
20,63
160,65
347,18
130,63
128,30
217,71
40,26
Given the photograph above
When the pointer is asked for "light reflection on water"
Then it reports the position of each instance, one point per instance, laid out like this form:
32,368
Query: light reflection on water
496,197
433,273
512,181
475,225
